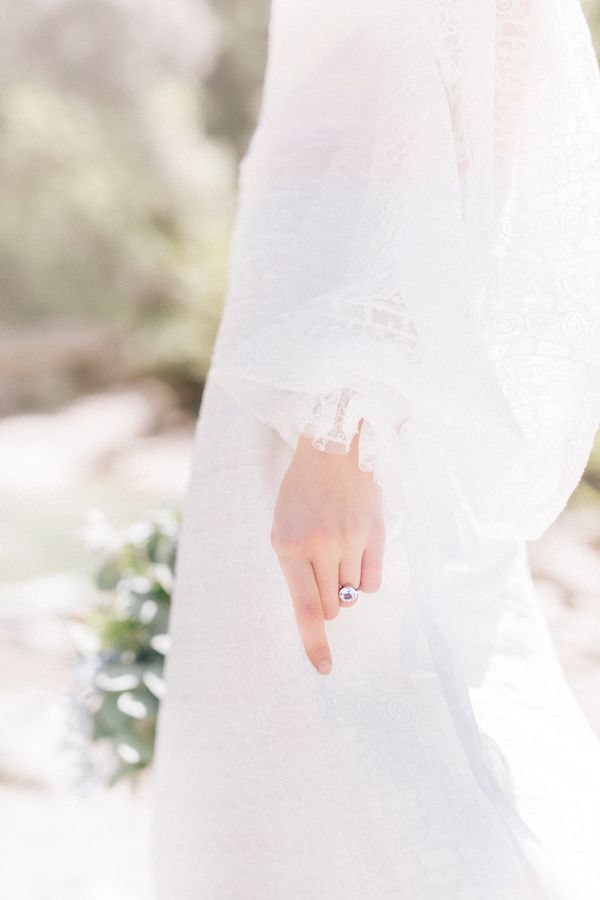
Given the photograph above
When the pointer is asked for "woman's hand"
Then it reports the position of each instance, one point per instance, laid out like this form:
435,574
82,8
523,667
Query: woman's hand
327,530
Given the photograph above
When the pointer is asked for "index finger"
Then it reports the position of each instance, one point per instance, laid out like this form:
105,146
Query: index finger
305,596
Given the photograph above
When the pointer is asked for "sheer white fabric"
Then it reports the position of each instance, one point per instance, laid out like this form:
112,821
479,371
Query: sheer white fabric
416,249
419,221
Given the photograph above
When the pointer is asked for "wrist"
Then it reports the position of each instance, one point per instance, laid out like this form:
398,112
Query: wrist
306,446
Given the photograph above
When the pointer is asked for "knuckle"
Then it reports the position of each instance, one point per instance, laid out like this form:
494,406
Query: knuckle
308,610
289,543
370,584
378,531
372,564
321,537
353,532
371,577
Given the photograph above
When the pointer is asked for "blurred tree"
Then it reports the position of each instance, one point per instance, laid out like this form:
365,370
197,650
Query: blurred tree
118,180
234,87
591,9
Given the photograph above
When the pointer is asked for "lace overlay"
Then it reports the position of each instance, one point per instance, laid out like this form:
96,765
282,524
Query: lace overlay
332,421
418,213
332,424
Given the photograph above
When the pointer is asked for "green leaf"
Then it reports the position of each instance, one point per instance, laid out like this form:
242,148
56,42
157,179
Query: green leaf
108,576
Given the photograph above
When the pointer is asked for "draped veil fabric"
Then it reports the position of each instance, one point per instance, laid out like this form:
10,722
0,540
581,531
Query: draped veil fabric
417,247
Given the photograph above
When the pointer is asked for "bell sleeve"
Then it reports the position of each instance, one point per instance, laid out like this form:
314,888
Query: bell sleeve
313,302
416,242
348,299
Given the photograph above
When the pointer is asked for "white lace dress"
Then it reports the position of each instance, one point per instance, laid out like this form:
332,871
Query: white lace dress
417,244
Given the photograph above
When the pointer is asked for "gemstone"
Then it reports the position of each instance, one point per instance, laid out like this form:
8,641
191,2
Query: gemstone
348,594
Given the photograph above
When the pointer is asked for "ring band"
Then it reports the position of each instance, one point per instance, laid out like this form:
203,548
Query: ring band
347,594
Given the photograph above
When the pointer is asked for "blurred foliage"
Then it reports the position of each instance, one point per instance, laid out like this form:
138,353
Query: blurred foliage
591,9
122,125
122,646
589,487
234,87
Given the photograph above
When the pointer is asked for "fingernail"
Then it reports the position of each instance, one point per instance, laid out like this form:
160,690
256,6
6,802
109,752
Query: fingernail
324,666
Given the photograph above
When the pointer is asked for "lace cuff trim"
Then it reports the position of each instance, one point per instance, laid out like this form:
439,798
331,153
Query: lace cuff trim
335,418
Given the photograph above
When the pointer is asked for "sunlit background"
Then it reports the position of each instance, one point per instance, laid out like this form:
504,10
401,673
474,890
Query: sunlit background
121,126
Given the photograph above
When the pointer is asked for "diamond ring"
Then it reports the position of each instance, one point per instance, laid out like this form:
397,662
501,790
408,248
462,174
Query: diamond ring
348,594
